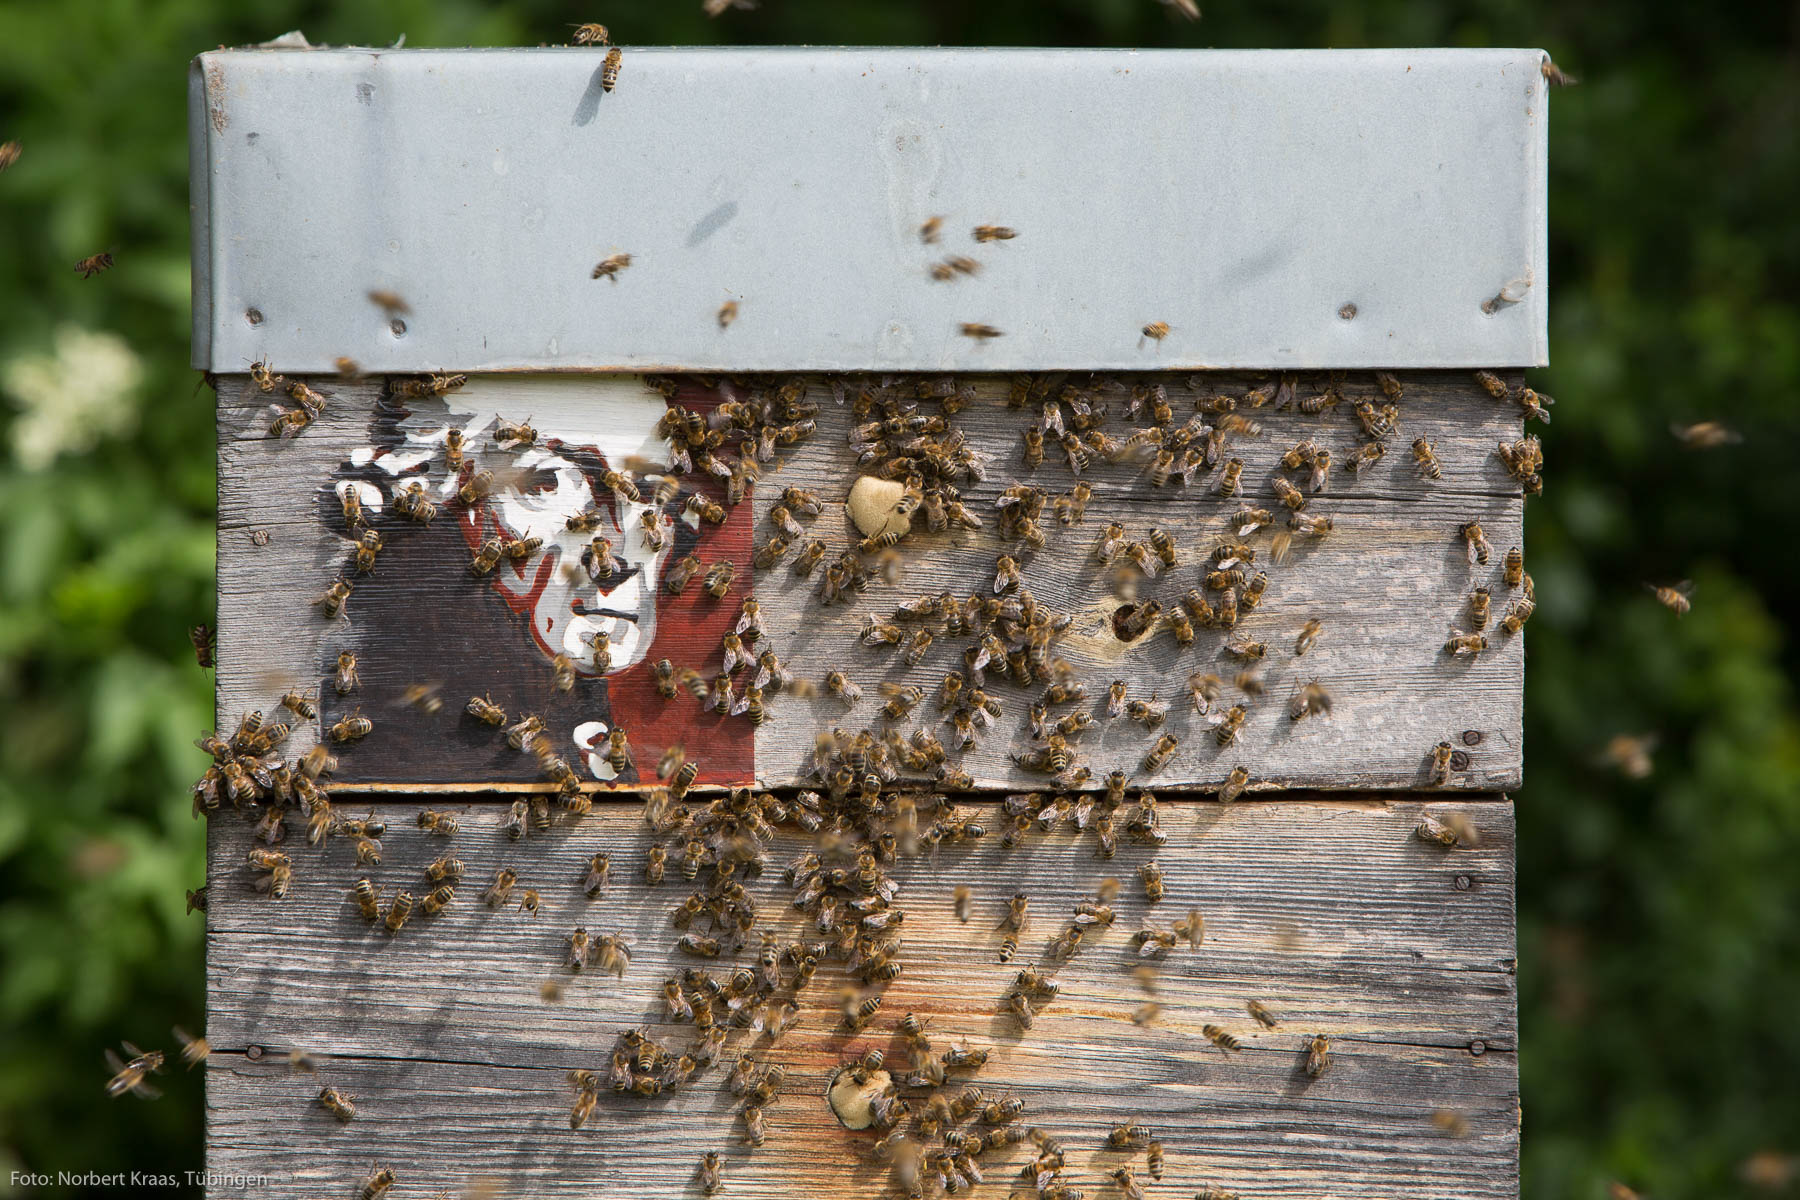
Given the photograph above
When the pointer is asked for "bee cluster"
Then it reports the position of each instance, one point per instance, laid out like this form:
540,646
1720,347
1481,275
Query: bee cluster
875,797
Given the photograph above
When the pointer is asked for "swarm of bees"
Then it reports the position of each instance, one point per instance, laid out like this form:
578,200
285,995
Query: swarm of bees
873,797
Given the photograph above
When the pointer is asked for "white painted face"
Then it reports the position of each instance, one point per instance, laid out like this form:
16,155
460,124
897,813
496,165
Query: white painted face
583,426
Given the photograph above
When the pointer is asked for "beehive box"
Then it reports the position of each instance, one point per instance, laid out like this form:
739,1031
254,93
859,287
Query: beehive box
1323,234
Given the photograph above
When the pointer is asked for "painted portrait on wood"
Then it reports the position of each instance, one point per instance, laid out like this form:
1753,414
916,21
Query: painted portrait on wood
585,539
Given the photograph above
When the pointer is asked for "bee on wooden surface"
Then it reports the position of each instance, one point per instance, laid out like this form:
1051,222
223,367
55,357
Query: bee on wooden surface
338,1103
1312,700
346,679
1677,598
1164,545
432,820
1231,478
521,735
1440,763
994,233
1134,621
719,578
333,601
580,949
1156,330
1034,447
1517,613
380,1181
399,909
500,891
1366,456
1148,713
1234,784
1461,644
1228,724
1308,636
978,331
410,502
1128,1136
1111,543
712,1173
1318,1055
1454,830
1160,753
352,728
437,900
1475,542
477,488
1007,576
1425,459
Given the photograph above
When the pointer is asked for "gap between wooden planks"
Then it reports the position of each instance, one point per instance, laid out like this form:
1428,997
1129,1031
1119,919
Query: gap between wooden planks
1326,909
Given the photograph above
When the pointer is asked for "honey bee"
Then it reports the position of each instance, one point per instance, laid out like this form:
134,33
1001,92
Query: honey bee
1309,636
332,602
609,79
980,332
352,728
1493,385
1234,784
1514,569
1475,542
399,909
929,230
712,1173
432,820
1677,598
1164,545
1289,495
1156,330
591,34
1465,643
994,233
719,578
1425,459
1228,724
1312,700
1260,1011
1231,478
1517,613
93,264
1128,1136
410,502
381,1180
1034,447
1160,754
500,891
9,154
1318,1055
1226,1042
337,1103
1455,829
1007,576
1440,763
445,870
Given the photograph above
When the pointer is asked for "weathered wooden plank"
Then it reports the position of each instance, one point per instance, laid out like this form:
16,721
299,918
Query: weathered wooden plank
1388,583
1330,912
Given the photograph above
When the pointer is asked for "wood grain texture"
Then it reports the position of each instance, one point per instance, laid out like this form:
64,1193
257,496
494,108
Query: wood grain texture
1330,912
1389,584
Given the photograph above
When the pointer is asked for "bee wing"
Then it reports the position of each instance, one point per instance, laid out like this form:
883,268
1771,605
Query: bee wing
143,1090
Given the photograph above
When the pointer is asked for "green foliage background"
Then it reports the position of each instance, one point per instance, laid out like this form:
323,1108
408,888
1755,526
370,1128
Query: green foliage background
1659,930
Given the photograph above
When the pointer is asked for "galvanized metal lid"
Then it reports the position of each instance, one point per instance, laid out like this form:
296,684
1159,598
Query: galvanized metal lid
1273,208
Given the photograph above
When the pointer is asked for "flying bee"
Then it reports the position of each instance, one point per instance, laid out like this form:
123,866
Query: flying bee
1226,1042
1160,754
1517,613
1475,542
1677,598
994,233
1156,330
1231,477
1312,700
1309,636
352,728
520,735
1465,643
978,331
332,602
562,673
1318,1055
